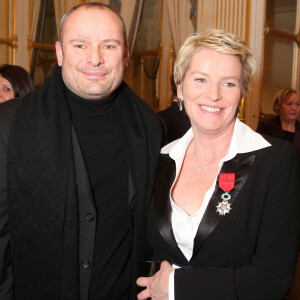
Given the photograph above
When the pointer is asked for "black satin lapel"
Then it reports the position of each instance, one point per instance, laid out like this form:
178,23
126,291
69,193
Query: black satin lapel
162,205
241,167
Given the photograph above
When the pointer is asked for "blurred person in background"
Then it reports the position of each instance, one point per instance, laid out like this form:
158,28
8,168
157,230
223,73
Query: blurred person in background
285,125
174,119
15,81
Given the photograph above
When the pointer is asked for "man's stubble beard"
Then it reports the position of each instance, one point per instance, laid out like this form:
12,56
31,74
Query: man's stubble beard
92,93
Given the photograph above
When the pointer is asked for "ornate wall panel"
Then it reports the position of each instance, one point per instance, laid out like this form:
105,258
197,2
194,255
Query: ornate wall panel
230,15
8,38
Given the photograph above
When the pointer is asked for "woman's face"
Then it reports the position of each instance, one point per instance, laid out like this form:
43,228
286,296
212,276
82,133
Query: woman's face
211,91
289,110
6,90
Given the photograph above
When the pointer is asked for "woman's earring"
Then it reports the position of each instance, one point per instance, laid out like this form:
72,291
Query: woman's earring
180,104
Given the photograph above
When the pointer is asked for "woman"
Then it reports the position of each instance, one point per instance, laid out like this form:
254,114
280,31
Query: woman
225,214
285,126
14,82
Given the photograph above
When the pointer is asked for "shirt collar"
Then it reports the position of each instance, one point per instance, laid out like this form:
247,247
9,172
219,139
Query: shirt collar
243,140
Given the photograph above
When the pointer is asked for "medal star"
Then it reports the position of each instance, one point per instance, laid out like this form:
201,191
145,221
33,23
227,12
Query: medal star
223,208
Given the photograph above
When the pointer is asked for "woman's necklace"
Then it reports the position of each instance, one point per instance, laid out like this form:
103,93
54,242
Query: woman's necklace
200,168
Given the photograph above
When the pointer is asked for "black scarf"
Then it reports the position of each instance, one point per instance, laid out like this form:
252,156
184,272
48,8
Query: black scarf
41,182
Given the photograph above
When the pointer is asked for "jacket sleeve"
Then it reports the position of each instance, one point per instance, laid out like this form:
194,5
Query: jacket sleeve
6,276
269,272
7,112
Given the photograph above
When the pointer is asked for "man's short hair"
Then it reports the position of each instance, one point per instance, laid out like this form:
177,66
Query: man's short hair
89,5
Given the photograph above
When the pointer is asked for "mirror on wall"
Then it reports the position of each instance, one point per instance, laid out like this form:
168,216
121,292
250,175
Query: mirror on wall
142,73
44,36
278,72
281,50
282,15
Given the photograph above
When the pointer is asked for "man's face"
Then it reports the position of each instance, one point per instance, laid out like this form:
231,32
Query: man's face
92,54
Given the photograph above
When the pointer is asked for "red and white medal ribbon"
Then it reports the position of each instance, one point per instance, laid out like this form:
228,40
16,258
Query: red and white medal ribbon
226,183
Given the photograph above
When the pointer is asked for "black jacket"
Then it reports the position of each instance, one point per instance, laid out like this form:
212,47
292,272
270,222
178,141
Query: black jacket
272,127
249,253
34,210
175,123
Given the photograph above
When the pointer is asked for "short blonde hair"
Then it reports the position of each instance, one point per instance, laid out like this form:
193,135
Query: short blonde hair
221,41
282,96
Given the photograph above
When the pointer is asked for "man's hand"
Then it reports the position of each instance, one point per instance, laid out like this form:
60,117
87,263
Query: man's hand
157,286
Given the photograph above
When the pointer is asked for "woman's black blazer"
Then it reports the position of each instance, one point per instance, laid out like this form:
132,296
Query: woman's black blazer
249,253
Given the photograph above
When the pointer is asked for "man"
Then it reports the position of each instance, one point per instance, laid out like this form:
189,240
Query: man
81,156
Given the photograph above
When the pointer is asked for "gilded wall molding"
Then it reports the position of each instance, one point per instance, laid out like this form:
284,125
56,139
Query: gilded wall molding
11,41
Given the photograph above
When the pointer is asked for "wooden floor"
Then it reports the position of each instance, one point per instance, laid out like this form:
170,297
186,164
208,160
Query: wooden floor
294,293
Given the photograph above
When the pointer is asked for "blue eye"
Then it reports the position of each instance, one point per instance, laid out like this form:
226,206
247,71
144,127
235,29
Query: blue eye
200,79
229,84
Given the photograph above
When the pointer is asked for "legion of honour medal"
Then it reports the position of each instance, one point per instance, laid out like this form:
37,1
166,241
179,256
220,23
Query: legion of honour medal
226,183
